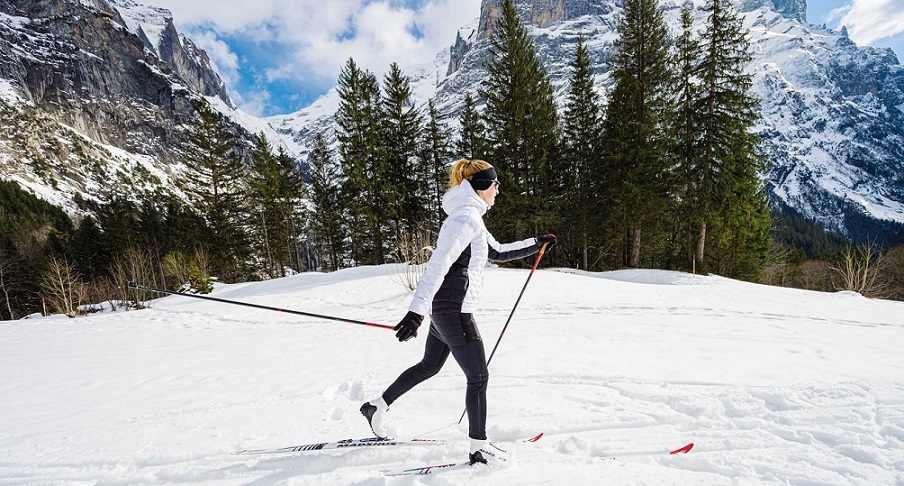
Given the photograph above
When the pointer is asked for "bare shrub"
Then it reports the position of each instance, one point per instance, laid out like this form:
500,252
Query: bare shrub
815,275
414,249
190,272
134,265
178,266
859,271
96,292
780,269
893,272
62,287
6,265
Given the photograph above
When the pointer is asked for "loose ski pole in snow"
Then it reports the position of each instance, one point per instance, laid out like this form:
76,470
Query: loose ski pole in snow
257,306
531,274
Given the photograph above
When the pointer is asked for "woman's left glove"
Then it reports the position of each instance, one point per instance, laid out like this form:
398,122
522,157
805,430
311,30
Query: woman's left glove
549,239
407,327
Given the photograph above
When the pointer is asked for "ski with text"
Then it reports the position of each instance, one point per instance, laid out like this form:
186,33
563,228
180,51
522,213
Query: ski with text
453,466
370,442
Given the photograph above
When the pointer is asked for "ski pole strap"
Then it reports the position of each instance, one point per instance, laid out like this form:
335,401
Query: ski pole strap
134,285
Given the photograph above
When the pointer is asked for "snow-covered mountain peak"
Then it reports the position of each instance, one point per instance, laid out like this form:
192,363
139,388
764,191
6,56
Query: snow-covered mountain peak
792,9
145,21
832,122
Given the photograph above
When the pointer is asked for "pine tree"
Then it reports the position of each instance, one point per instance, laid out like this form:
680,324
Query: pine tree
216,174
90,255
292,194
275,184
435,155
522,131
732,197
581,151
635,122
402,126
686,128
327,220
363,165
263,185
472,137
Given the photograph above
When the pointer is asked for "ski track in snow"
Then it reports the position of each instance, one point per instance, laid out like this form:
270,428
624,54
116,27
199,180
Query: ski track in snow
774,386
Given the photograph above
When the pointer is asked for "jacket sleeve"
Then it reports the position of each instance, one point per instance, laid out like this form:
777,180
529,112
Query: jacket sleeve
454,236
499,252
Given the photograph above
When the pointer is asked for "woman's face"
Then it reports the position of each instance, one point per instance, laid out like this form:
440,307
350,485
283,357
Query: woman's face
489,195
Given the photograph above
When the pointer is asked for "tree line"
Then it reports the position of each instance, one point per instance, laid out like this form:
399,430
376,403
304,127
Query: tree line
244,219
660,170
665,173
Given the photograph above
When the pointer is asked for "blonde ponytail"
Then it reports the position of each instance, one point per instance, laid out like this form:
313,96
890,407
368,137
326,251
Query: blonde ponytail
464,168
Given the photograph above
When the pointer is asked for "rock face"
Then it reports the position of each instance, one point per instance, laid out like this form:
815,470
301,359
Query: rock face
832,112
187,61
84,66
792,9
541,13
95,96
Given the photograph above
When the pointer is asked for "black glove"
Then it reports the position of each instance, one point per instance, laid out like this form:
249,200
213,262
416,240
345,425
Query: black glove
549,239
407,327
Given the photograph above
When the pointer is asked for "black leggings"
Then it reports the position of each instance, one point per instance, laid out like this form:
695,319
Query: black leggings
456,333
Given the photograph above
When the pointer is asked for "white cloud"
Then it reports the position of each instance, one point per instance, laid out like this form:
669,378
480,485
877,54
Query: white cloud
871,20
257,103
318,36
837,13
224,60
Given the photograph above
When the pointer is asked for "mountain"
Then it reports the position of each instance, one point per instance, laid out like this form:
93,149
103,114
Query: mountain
832,111
95,96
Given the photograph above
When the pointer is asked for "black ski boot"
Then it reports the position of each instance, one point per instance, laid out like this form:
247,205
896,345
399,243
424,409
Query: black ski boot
476,458
374,415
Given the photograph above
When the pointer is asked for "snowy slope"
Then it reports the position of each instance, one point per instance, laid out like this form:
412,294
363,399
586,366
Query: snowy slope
774,385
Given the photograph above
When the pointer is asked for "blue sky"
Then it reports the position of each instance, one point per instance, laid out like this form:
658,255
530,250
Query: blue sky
278,56
878,23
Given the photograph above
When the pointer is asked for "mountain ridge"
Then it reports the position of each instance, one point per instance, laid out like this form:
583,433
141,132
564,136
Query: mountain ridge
97,96
833,112
96,93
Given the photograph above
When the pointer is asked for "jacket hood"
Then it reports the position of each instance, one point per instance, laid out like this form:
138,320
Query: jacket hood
462,196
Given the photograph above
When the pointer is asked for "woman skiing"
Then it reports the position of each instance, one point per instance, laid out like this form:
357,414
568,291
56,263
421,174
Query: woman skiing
448,292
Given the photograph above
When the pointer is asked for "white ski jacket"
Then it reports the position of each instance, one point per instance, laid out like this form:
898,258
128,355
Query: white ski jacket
454,275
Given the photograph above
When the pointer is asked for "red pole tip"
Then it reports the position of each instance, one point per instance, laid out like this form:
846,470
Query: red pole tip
683,450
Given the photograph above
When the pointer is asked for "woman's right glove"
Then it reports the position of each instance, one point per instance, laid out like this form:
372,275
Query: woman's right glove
407,327
549,239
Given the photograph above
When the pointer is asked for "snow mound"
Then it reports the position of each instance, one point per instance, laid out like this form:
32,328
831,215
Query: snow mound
651,277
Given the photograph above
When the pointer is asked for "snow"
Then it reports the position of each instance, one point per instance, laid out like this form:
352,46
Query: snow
14,21
118,165
9,94
773,385
254,125
144,18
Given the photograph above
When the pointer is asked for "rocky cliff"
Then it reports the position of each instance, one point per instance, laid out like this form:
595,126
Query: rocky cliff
95,97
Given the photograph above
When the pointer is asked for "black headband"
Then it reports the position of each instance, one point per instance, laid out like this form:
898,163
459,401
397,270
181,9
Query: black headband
484,179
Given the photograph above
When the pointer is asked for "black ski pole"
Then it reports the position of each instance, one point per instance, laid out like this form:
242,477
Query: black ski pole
531,274
134,285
